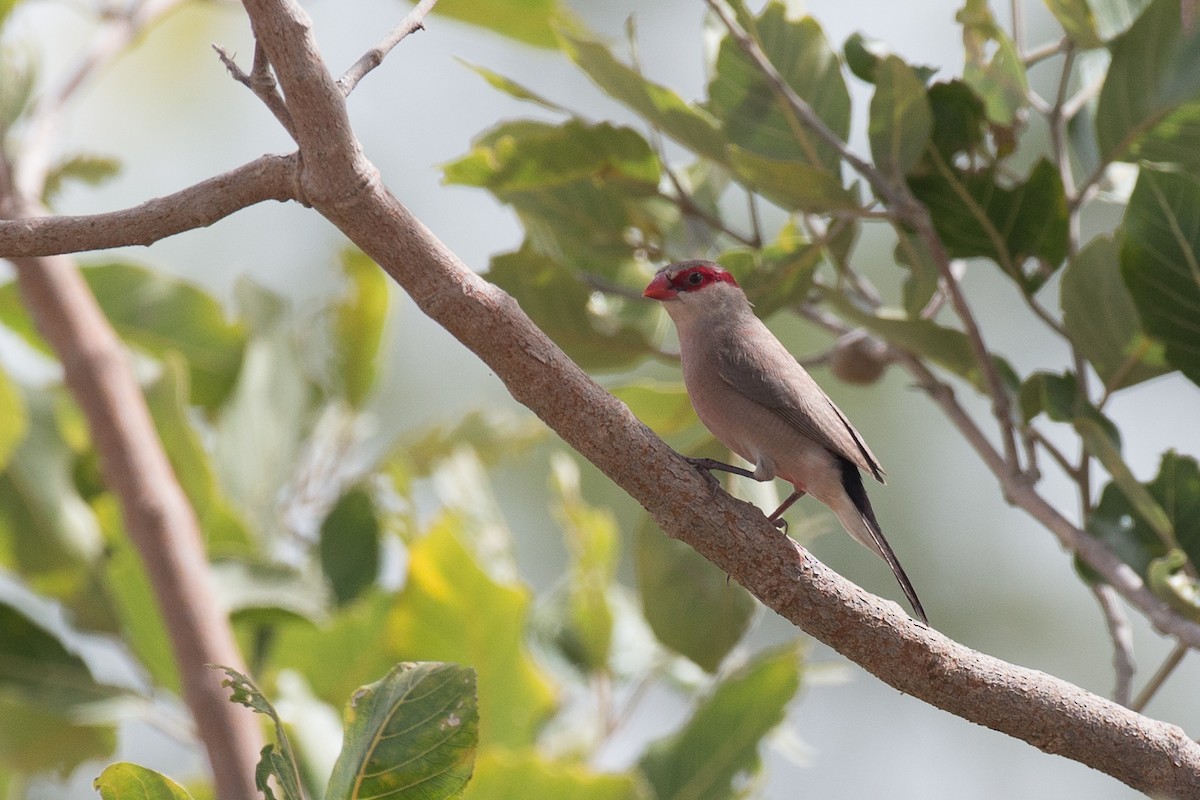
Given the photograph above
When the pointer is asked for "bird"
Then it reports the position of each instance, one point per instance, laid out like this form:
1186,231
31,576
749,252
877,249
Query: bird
758,401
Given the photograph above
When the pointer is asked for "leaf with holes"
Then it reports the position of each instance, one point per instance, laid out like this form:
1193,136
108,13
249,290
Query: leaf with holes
410,736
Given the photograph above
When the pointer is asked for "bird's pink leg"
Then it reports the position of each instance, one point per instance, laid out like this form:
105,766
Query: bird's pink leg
776,518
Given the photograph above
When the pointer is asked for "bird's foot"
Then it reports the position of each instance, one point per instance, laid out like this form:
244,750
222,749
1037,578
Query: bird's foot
780,523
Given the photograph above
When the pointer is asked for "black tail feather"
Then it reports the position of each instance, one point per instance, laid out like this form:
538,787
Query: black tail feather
853,484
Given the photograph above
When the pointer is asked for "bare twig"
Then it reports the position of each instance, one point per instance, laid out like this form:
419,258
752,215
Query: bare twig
1121,633
413,21
1160,677
265,178
904,207
1047,50
262,83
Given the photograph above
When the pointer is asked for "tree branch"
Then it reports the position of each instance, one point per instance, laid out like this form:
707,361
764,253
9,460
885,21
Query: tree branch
198,206
1047,712
412,22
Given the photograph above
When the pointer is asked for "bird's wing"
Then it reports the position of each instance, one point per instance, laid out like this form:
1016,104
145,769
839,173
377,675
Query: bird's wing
770,376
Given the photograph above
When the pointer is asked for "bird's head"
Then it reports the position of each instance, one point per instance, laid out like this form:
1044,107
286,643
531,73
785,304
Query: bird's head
690,278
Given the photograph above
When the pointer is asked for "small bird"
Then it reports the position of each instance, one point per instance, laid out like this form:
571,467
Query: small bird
753,395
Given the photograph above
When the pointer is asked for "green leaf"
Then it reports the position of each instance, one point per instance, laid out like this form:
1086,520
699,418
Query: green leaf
753,116
1078,22
1059,398
596,338
410,736
167,398
664,407
1170,580
1174,494
691,605
259,593
922,280
692,127
591,536
959,119
946,347
901,120
451,610
512,88
1102,320
526,21
994,69
136,607
503,775
14,419
1099,442
158,313
349,546
975,216
90,170
864,54
358,322
277,761
588,195
18,76
778,275
1114,17
35,739
125,781
719,744
492,436
791,185
1160,262
1155,70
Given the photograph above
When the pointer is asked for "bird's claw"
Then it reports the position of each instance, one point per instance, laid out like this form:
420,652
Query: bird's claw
780,523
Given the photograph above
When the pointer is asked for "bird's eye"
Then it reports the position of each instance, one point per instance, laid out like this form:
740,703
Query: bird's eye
695,279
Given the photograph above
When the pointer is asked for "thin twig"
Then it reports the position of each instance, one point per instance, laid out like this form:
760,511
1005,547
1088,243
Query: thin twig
262,83
1047,50
1160,677
413,21
689,207
1121,633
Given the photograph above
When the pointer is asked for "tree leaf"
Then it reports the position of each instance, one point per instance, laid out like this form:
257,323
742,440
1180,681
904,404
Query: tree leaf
526,21
125,781
777,275
451,610
349,545
692,127
277,760
410,736
664,407
1078,22
1155,70
1102,320
901,121
994,68
168,401
259,593
595,338
959,119
512,88
691,605
754,118
1160,262
88,169
1114,17
358,321
157,313
864,54
14,419
720,742
591,535
791,185
503,775
975,216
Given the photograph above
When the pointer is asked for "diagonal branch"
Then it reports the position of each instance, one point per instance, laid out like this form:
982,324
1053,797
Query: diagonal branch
1047,712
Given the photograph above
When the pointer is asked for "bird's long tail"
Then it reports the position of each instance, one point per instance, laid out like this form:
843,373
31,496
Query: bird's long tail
862,525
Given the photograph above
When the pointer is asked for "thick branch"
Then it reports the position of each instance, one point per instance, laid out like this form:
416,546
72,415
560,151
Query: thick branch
1049,713
265,178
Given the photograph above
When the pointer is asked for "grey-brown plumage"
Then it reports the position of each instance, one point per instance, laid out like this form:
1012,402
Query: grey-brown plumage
753,395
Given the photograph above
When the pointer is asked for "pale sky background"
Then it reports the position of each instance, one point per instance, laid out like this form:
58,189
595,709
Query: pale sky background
987,574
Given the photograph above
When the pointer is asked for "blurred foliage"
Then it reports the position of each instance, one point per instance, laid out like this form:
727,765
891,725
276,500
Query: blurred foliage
341,561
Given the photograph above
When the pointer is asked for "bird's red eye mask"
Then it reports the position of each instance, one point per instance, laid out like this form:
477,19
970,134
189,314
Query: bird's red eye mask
687,276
